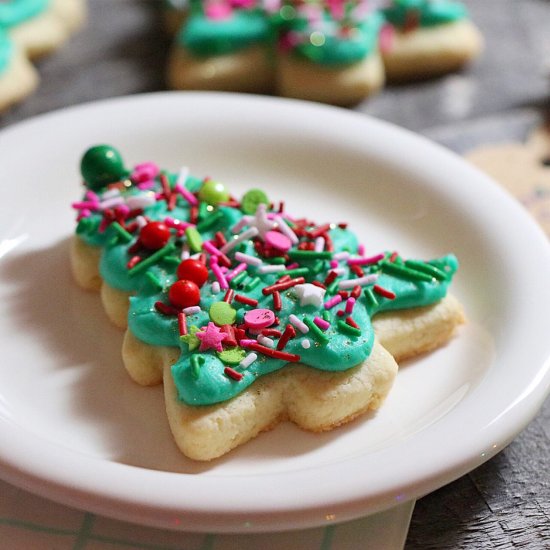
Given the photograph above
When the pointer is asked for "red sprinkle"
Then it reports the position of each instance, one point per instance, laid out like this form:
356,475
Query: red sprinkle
277,302
356,270
284,278
318,231
289,333
133,261
232,373
172,201
340,313
356,292
320,284
165,309
182,323
330,277
246,300
272,332
220,239
344,294
229,295
384,292
394,256
351,322
165,187
282,286
275,354
231,339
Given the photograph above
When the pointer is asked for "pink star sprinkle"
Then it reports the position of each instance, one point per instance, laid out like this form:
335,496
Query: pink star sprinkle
211,338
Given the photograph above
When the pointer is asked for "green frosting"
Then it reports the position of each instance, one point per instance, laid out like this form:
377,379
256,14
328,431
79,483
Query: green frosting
429,12
330,49
201,376
205,36
6,51
15,12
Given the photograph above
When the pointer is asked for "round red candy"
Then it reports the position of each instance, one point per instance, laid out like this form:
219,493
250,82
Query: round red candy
154,235
193,270
184,294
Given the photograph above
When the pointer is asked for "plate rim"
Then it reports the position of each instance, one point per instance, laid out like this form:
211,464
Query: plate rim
235,518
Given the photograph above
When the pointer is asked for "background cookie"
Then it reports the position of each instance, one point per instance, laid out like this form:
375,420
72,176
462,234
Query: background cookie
28,30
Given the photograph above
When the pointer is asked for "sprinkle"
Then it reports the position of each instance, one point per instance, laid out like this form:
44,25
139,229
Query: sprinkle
277,302
394,257
356,270
153,259
269,269
265,341
306,344
319,231
245,235
134,260
302,327
165,309
84,204
330,277
348,329
194,239
316,331
384,292
285,229
234,272
216,287
352,323
218,274
427,268
356,291
298,272
229,296
406,272
309,255
283,285
211,220
371,298
210,248
235,281
247,259
339,256
245,220
274,354
245,342
196,362
362,281
321,323
182,323
286,336
187,195
333,264
246,300
319,244
333,301
350,303
232,373
192,310
154,280
366,261
183,174
253,283
248,360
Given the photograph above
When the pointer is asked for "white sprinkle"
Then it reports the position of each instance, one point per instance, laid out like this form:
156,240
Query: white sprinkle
248,234
271,269
319,244
306,343
285,229
244,221
339,270
248,360
264,340
216,287
185,252
302,327
183,174
141,221
191,310
361,281
142,200
339,256
110,194
109,203
247,259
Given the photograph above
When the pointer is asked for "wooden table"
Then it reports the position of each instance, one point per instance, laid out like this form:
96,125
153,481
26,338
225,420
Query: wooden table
504,503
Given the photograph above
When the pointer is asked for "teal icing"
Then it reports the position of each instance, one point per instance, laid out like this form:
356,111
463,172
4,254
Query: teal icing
335,49
203,36
338,350
6,51
438,12
15,12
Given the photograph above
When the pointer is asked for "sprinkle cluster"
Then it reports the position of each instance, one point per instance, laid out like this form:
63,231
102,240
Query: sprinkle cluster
245,292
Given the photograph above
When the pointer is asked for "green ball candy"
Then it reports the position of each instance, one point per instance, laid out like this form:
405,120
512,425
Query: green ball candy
102,165
251,200
213,192
221,313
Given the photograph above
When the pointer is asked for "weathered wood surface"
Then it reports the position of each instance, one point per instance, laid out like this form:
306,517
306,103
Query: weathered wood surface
506,502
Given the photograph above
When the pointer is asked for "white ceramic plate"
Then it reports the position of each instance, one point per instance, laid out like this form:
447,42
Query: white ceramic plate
73,426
